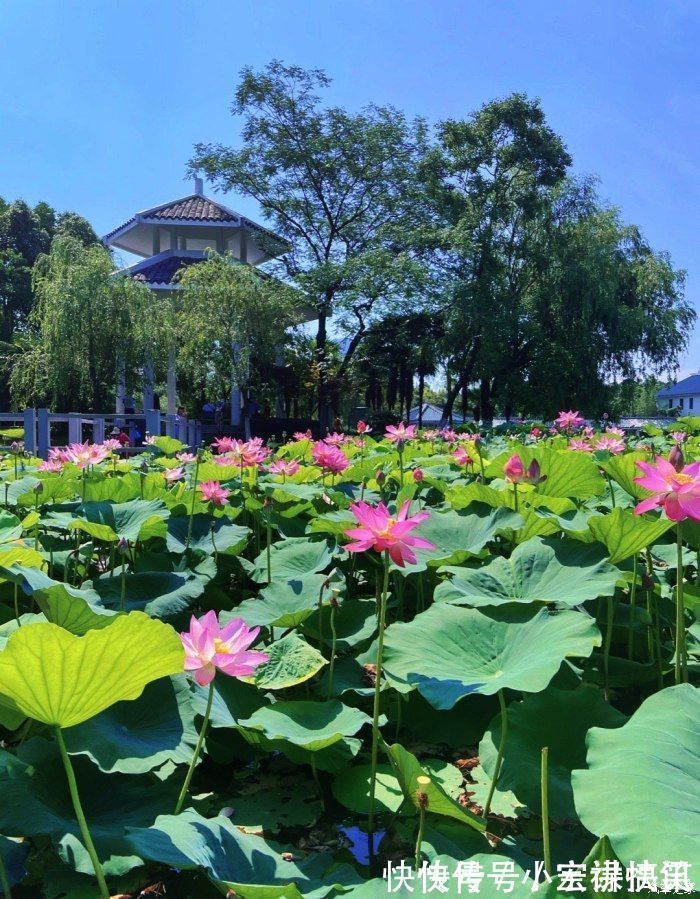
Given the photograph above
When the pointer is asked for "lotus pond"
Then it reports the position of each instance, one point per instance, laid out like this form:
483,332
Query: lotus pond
412,662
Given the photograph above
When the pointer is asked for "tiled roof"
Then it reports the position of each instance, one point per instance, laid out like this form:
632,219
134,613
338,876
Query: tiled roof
688,386
163,271
195,208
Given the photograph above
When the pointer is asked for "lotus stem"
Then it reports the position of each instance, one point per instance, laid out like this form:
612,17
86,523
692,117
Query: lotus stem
547,852
633,609
16,600
80,815
194,500
197,750
608,643
422,797
515,497
680,666
401,468
331,665
122,591
4,881
377,689
501,750
610,488
268,527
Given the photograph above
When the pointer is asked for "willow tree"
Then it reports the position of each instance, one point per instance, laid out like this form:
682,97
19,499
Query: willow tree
87,322
229,316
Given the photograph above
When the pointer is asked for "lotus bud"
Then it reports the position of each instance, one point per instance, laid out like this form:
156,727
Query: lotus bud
514,469
123,546
418,475
676,457
38,488
381,477
15,448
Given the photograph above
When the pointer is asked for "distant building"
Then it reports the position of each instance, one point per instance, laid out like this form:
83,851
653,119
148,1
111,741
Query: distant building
432,416
685,395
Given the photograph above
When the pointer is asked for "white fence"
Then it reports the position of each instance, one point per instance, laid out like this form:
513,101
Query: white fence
38,425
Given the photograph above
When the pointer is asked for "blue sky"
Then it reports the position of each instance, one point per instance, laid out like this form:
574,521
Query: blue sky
102,101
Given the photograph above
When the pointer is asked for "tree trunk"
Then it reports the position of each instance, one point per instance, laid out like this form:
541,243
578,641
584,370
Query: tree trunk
486,405
421,392
324,404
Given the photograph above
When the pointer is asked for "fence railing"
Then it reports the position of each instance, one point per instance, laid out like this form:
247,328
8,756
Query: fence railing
40,425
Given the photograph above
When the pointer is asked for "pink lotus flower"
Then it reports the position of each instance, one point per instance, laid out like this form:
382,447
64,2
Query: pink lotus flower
676,492
59,454
285,467
582,446
330,458
430,434
111,444
214,493
150,440
303,435
610,443
185,457
335,439
462,457
588,432
363,428
209,647
84,454
536,432
382,532
450,435
569,420
224,444
515,471
679,436
418,475
52,465
172,475
615,431
400,432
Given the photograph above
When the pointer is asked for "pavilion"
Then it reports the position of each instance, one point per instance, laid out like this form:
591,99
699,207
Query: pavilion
177,234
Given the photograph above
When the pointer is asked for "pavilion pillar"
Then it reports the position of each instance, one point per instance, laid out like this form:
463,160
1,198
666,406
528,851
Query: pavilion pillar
121,389
171,383
236,395
279,397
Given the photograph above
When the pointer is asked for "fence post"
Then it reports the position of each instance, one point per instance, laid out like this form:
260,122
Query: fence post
43,433
30,431
153,422
191,433
170,425
182,430
198,434
75,427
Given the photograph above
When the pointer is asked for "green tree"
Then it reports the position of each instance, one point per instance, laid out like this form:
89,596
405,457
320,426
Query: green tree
227,317
337,186
87,322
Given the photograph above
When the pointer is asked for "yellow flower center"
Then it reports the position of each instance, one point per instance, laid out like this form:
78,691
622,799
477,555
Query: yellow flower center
681,478
390,522
221,645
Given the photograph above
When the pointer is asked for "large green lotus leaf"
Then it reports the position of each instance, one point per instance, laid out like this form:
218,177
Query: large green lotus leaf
461,496
159,594
10,527
449,652
136,736
309,725
168,445
555,718
625,534
12,555
36,802
351,786
114,490
642,784
292,661
623,470
77,610
355,622
252,867
12,492
459,535
13,854
333,523
569,474
59,678
228,537
276,802
542,570
112,521
408,769
283,603
233,699
293,557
